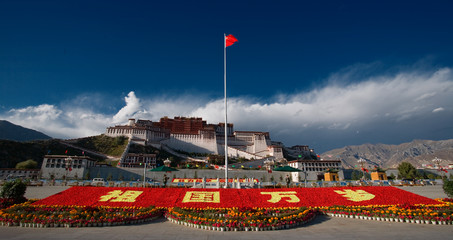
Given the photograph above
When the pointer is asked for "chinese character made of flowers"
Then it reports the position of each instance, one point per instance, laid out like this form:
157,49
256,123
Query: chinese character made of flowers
355,196
277,196
120,196
208,197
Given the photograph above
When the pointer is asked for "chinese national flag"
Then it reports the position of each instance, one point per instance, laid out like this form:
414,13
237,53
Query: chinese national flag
230,40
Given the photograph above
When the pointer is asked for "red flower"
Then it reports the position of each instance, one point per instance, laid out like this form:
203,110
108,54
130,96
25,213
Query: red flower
228,198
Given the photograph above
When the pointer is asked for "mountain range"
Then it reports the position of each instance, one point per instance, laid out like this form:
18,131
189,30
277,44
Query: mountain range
10,131
419,153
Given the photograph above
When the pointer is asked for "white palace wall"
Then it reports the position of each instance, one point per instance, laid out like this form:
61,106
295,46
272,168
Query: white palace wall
260,146
192,143
137,134
234,152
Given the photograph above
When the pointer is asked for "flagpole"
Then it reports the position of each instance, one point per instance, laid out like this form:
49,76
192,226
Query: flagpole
225,105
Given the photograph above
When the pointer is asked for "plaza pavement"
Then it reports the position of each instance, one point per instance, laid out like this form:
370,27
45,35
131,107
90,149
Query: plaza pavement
323,227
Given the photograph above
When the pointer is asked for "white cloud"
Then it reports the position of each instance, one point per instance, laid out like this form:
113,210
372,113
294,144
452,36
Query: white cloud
383,105
425,96
61,123
41,113
440,109
132,108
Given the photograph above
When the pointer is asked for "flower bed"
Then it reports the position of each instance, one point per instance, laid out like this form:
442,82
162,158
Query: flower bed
225,209
245,219
441,213
7,202
29,215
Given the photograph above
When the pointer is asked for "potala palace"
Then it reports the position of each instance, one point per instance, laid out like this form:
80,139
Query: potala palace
195,135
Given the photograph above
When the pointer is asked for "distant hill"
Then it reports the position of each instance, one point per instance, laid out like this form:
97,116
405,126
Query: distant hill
9,131
97,147
417,152
13,152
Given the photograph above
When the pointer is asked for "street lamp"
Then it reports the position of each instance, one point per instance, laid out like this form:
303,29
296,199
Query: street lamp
362,161
269,163
68,164
305,177
144,172
167,162
437,162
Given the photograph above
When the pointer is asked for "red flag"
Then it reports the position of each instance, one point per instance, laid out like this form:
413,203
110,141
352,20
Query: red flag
230,40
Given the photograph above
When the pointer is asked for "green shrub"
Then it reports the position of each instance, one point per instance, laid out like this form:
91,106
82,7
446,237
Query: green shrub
29,164
448,187
407,170
14,190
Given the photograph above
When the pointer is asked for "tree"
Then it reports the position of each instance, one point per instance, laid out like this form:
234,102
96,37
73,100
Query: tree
431,176
448,187
29,164
14,189
356,175
392,176
421,175
407,170
109,177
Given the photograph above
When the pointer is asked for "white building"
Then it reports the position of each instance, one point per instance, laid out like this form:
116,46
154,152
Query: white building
11,173
136,160
65,167
142,132
314,169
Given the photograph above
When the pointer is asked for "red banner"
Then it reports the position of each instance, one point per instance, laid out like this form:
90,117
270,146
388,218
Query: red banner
210,180
227,198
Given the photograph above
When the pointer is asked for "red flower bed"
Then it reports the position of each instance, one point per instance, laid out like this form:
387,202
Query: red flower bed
228,198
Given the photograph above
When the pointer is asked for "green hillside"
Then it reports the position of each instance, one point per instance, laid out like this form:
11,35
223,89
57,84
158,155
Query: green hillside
12,152
103,144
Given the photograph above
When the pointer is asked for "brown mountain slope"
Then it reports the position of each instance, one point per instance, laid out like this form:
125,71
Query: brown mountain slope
417,152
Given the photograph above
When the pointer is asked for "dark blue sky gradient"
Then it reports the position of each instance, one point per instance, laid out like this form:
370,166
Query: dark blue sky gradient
50,50
94,53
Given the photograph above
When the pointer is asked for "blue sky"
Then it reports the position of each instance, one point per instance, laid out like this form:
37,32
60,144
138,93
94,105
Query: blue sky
320,73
